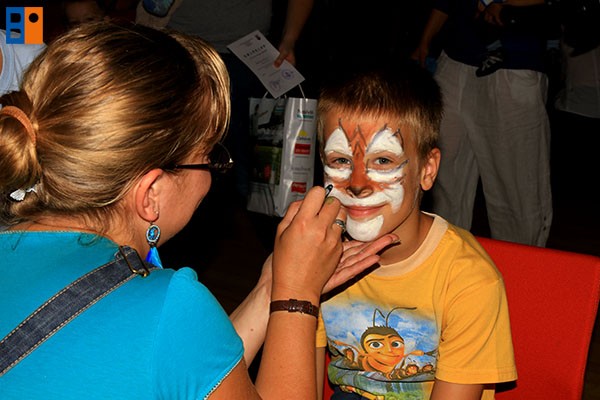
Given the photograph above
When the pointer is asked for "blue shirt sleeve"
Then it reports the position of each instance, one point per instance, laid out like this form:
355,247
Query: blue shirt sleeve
159,8
197,346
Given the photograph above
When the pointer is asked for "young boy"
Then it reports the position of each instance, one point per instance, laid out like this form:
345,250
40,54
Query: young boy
432,321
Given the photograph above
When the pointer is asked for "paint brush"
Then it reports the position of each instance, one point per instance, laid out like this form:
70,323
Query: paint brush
328,190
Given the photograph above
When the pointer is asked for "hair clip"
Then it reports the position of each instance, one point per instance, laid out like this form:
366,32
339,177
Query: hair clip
19,194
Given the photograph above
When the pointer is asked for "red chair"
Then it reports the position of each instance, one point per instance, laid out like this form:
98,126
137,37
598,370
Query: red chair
553,300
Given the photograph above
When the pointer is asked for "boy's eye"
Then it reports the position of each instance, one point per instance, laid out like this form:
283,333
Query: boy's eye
339,162
383,162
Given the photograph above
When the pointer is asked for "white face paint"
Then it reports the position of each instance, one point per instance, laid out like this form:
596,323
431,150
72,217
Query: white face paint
365,231
383,166
387,141
338,143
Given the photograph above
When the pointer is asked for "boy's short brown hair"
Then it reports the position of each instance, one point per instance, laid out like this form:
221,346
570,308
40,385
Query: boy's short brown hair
404,92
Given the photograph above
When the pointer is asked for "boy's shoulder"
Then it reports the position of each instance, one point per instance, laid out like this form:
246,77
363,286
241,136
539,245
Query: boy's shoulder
461,237
449,246
445,234
460,250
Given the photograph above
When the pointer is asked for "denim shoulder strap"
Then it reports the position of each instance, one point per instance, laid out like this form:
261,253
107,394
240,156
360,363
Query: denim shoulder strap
67,304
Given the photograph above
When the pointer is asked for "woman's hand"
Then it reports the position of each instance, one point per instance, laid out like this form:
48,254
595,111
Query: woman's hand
308,247
356,257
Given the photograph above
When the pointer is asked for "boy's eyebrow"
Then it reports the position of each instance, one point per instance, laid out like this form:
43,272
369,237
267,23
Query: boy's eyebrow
398,133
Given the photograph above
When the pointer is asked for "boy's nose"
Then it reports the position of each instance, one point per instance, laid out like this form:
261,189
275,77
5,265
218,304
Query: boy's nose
359,186
360,191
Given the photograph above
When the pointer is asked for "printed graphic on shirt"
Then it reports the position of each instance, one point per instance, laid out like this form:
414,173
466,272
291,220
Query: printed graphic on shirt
381,353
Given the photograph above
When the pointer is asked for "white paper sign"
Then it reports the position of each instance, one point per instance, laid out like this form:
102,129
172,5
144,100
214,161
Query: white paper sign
259,55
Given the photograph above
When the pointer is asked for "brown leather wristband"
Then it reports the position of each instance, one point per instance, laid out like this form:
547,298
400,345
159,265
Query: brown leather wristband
293,305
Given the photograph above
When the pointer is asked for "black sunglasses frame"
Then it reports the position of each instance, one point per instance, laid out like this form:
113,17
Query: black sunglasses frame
220,167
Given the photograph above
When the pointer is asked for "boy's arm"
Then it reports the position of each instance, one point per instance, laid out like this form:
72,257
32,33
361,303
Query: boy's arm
445,390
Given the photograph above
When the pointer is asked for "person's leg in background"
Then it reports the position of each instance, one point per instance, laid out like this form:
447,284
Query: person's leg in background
453,194
512,143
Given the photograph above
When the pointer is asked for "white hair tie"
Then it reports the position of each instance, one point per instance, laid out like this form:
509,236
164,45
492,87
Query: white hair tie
19,194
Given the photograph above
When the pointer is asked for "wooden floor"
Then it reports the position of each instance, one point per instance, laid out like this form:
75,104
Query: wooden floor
226,245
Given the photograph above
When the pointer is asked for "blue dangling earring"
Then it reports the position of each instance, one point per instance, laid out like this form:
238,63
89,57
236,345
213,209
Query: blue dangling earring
152,236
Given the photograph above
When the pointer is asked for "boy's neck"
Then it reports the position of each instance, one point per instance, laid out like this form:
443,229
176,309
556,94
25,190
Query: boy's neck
412,234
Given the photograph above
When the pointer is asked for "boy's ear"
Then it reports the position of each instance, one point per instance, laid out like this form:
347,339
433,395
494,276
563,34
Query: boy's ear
147,195
430,169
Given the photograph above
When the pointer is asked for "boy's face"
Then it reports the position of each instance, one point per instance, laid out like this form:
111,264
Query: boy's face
373,167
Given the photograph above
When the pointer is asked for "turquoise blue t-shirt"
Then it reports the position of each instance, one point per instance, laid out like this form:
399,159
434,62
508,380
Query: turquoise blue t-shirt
160,337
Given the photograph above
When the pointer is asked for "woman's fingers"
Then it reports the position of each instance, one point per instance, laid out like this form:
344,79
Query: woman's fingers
308,244
289,216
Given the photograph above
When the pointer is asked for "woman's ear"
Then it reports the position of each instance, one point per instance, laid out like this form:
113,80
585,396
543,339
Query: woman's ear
430,169
147,195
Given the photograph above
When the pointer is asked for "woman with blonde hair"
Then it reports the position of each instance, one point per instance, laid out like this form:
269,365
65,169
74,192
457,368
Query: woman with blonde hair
105,153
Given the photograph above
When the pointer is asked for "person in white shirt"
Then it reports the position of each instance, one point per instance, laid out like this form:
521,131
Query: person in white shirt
14,59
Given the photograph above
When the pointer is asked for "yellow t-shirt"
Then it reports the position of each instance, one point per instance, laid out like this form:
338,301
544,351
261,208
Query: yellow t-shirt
446,318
